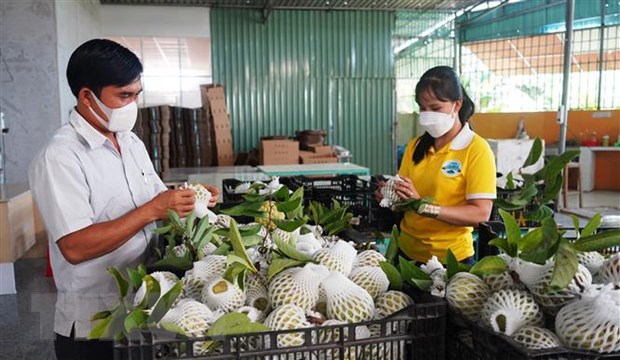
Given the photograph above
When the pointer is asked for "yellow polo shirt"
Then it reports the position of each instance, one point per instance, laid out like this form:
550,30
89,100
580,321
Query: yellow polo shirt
462,170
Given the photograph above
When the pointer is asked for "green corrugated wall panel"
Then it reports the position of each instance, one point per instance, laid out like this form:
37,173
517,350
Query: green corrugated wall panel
285,74
510,21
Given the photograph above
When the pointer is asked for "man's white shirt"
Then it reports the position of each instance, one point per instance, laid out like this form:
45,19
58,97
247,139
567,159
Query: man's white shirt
80,179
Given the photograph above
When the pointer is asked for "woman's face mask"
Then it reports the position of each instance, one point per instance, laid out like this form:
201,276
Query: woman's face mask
437,123
119,119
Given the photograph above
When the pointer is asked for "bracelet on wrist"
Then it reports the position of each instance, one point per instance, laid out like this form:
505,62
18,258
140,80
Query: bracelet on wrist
429,210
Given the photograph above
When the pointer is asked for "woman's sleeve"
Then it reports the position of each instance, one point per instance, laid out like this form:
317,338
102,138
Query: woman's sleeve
481,174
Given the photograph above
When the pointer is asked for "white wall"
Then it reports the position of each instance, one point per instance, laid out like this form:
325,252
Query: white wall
129,20
28,80
76,22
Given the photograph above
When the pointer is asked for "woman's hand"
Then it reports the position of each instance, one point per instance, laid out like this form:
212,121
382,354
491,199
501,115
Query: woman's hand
405,189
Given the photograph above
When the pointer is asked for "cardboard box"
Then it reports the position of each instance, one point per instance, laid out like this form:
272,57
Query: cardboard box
322,150
318,160
214,103
279,152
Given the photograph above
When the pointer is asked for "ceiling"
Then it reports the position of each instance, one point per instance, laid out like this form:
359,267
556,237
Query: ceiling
312,4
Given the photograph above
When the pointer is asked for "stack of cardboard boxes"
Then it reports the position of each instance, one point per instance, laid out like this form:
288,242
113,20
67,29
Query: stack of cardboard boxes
284,151
214,104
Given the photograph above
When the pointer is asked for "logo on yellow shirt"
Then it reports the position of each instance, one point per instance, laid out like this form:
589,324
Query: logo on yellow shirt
451,168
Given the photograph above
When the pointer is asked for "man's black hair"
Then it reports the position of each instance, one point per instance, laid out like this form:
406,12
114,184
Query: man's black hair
100,62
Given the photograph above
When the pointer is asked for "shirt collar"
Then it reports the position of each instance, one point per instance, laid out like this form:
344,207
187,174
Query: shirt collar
463,138
93,137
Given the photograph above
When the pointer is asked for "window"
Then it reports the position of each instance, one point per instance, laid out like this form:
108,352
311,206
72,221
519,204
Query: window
173,68
525,73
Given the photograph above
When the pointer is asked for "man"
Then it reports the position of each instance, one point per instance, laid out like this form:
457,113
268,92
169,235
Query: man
98,193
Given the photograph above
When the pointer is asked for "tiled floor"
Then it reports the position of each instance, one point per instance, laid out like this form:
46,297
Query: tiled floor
26,319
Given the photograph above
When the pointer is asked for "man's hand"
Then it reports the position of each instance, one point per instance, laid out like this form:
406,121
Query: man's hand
180,200
215,194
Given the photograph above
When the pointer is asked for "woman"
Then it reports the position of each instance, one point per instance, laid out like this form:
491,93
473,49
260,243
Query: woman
450,164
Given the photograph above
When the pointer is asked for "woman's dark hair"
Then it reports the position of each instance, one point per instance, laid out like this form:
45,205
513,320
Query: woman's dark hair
442,82
100,62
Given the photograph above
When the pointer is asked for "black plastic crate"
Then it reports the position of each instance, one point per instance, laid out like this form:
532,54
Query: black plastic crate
417,332
488,345
519,215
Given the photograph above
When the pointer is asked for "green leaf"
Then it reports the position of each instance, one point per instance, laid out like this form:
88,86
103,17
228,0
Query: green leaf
100,315
233,324
289,206
232,258
182,263
452,264
135,277
339,225
290,251
245,209
575,224
592,225
98,331
222,249
233,271
332,215
135,319
252,240
513,232
413,275
489,265
501,244
163,229
116,328
392,249
247,230
424,285
254,198
189,224
528,193
283,194
549,241
201,234
165,303
508,205
530,241
153,291
121,283
535,153
278,265
540,214
237,245
393,275
552,189
175,220
565,268
557,165
599,241
510,183
289,225
170,327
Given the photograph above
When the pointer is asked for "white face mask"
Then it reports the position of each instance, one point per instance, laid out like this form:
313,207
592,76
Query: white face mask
119,119
437,123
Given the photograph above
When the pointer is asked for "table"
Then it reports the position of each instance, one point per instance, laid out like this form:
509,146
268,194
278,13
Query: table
587,163
314,169
17,230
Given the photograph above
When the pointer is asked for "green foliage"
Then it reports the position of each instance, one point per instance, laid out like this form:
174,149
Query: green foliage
536,190
393,275
333,221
